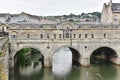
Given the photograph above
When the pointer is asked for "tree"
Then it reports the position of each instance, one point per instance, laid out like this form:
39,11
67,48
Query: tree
97,14
82,14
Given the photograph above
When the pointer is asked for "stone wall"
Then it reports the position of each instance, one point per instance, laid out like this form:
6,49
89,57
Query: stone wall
3,69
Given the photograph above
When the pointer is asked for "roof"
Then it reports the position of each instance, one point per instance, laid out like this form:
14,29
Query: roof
4,14
116,7
31,16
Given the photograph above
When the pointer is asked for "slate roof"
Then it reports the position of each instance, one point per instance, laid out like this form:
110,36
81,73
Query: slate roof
116,7
4,14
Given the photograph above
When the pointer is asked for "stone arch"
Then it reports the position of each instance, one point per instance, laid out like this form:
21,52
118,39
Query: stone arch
75,53
67,24
28,47
14,34
107,53
12,64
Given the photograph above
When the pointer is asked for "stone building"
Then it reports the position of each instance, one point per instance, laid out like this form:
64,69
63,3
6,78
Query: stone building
20,18
89,18
111,13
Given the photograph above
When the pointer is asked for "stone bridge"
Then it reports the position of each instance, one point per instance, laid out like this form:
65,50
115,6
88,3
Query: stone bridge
81,39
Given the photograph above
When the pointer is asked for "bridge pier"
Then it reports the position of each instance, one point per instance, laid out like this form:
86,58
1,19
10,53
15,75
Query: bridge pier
11,63
47,62
115,60
85,61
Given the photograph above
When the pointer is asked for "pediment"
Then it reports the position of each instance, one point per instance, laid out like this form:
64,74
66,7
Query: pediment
67,24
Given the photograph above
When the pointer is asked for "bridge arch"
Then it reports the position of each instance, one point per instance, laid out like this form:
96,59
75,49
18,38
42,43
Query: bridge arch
28,47
14,56
104,53
75,53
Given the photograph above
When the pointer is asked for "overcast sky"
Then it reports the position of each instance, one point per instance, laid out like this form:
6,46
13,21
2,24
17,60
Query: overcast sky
52,7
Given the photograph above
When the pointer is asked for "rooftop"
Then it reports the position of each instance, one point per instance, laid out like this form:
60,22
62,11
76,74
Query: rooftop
116,7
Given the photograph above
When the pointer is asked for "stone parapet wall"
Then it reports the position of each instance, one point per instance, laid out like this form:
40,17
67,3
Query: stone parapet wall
3,71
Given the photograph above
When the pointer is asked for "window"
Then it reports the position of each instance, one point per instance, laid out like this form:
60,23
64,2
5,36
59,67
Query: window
66,33
41,26
41,36
85,35
14,36
28,35
104,35
54,36
74,35
60,36
48,36
79,35
92,35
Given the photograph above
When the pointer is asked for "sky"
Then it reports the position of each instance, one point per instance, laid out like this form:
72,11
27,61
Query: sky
52,7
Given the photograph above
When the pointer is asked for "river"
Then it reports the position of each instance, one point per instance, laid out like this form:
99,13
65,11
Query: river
63,69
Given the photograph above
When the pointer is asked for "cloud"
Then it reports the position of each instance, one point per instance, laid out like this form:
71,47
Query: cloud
51,7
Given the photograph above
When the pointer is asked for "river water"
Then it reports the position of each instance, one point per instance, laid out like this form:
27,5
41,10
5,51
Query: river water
63,69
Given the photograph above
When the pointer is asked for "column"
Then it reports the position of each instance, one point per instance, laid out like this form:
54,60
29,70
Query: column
11,63
85,61
47,62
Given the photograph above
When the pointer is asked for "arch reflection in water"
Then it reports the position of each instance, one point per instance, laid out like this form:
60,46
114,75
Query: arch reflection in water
31,69
62,62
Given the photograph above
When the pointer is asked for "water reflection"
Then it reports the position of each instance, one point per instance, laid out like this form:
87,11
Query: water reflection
30,69
62,62
64,70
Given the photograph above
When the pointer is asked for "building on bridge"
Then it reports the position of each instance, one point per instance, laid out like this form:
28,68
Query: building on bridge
111,13
82,39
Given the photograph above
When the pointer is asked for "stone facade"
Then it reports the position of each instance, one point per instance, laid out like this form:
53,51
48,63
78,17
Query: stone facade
19,18
111,13
81,38
48,38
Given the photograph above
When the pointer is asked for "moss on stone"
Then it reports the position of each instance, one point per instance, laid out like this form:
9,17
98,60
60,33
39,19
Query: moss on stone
3,74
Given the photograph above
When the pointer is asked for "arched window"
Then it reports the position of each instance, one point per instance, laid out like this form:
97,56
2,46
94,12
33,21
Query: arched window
14,35
85,35
67,33
79,35
92,35
41,36
104,35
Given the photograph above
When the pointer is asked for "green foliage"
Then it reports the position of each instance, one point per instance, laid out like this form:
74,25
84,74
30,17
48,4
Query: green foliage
28,55
83,14
71,20
98,14
21,55
71,15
